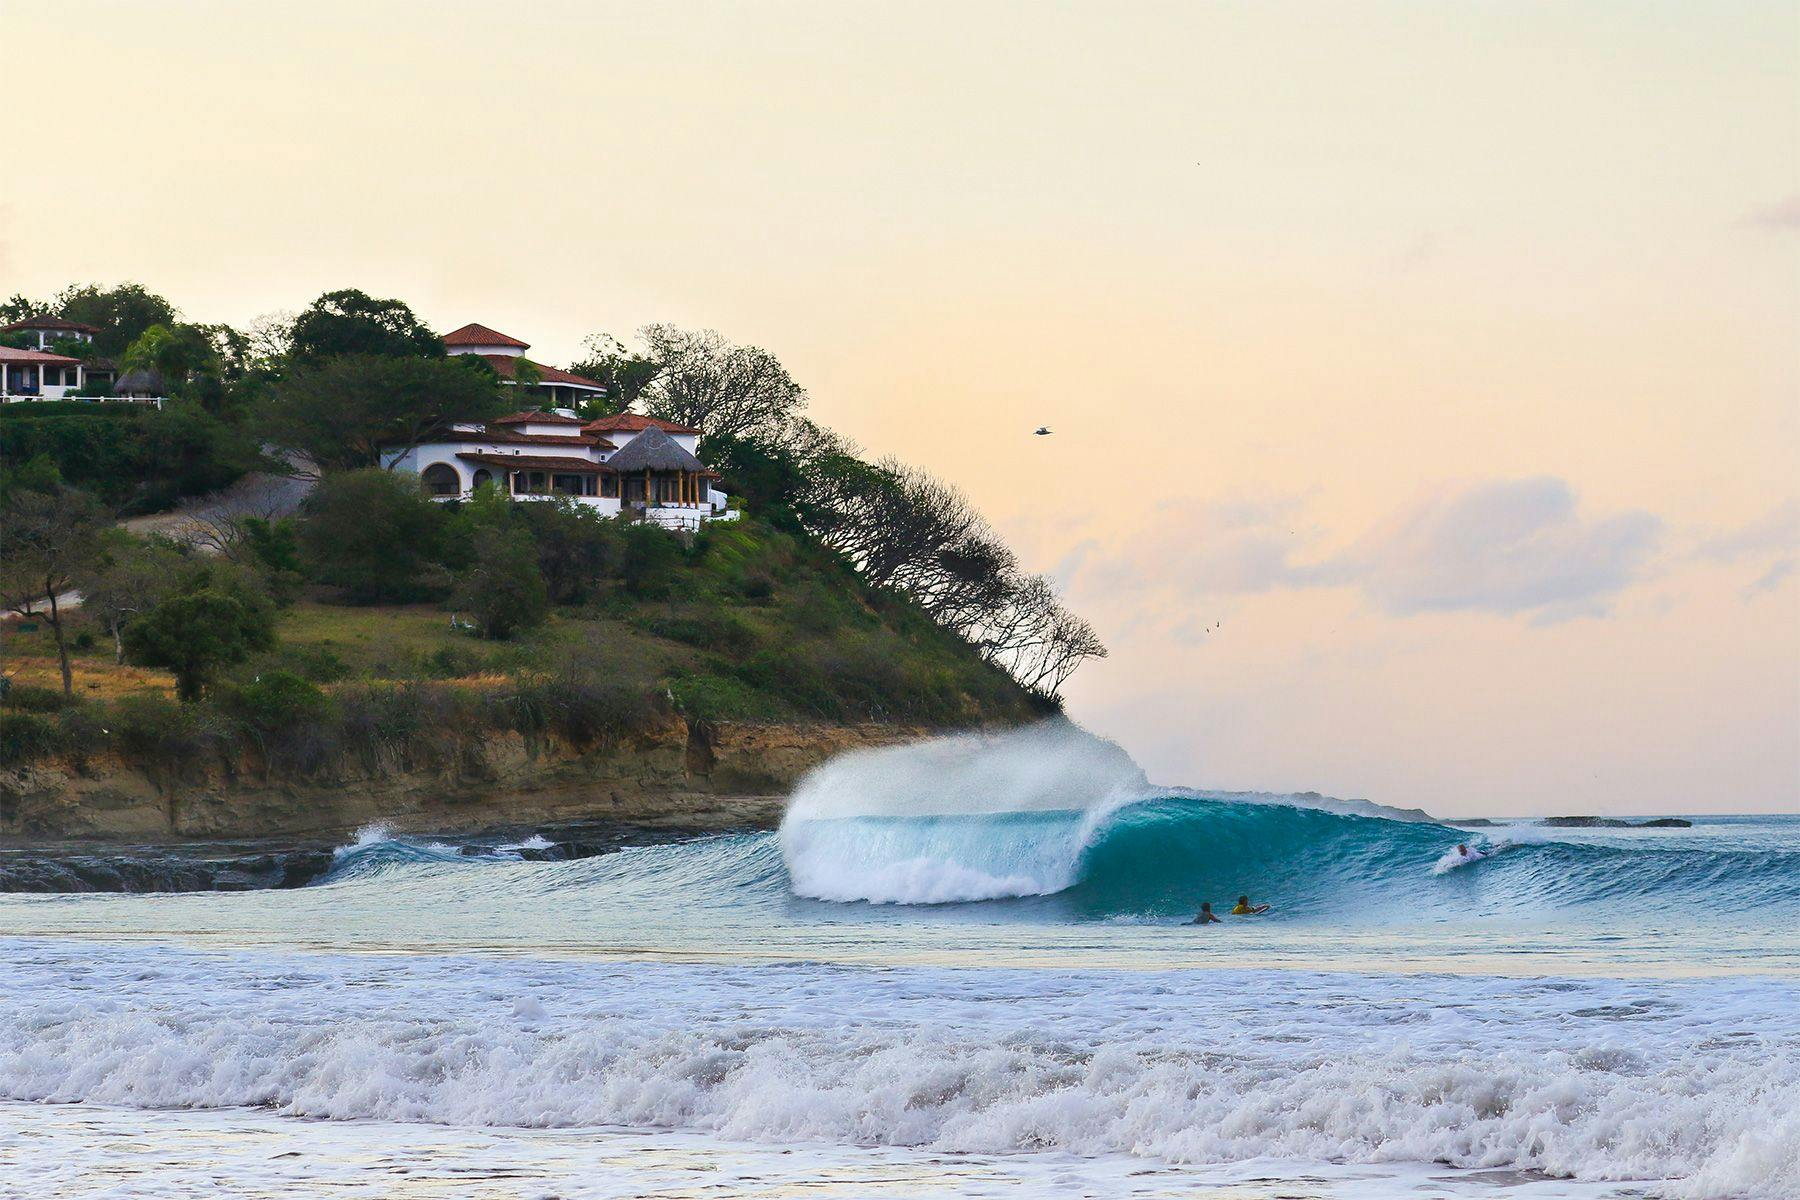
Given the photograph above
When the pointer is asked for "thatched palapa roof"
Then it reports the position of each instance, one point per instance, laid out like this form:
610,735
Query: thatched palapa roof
140,381
654,450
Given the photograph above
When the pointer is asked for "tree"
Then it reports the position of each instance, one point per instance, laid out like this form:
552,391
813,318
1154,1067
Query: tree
704,380
130,576
180,354
577,547
340,412
121,313
502,588
625,373
18,306
194,632
375,535
649,560
48,539
353,322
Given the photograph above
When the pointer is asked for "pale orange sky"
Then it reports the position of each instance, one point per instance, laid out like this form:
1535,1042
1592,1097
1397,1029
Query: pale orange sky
1448,355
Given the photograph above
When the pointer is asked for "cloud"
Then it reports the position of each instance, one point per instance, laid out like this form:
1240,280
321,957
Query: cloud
1769,580
1776,530
1508,546
1781,216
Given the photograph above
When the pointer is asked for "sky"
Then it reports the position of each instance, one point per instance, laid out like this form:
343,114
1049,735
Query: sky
1425,378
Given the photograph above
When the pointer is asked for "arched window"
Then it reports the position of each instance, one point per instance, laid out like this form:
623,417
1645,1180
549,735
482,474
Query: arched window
441,480
482,476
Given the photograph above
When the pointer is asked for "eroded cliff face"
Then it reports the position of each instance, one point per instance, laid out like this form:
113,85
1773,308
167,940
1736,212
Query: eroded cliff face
717,775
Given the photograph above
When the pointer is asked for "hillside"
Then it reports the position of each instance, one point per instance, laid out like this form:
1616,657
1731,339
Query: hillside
746,627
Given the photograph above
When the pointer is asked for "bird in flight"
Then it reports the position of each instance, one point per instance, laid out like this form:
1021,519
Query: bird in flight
1041,431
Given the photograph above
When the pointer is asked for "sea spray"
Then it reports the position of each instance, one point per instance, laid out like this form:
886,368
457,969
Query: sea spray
972,817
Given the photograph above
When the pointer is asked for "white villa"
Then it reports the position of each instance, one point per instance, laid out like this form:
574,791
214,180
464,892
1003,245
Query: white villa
624,463
36,373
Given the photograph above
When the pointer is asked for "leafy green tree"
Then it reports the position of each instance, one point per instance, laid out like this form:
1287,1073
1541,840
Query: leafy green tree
502,588
129,576
374,535
342,411
48,539
121,313
577,548
195,633
18,306
650,559
272,545
353,322
180,354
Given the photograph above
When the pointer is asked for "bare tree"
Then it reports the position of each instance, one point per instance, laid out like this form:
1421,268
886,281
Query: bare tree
47,540
726,389
128,578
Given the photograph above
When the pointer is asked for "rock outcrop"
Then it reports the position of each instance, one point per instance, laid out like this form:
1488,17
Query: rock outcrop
712,775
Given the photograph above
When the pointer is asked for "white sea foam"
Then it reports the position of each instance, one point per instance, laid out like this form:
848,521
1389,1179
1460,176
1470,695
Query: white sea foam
1689,1083
1052,766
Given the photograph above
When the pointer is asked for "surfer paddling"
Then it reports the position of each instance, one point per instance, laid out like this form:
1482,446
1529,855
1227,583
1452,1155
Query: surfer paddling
1246,909
1206,916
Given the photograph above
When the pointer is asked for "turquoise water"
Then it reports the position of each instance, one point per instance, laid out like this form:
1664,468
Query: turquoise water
941,998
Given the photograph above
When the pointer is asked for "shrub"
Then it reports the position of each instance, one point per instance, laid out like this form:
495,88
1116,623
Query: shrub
168,735
577,548
452,662
320,664
26,737
708,697
397,728
582,711
290,718
278,700
718,632
651,556
27,697
374,535
502,589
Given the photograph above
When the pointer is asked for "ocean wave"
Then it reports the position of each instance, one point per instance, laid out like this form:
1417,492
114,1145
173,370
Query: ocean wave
1592,1080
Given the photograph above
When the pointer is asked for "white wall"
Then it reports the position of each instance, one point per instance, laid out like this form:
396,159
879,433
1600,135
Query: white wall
509,351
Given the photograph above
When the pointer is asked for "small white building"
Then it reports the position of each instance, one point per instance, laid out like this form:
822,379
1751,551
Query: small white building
620,464
35,372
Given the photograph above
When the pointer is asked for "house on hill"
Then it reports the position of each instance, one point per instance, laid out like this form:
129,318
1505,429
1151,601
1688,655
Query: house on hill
35,372
545,385
620,464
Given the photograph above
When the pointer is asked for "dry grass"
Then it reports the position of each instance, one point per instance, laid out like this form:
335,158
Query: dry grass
96,679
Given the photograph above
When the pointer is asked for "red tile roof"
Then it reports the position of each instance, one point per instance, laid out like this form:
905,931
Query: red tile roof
481,335
535,418
8,354
633,423
45,321
505,365
537,462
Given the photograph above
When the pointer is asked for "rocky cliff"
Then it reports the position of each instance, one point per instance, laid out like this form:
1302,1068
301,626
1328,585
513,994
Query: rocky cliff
717,775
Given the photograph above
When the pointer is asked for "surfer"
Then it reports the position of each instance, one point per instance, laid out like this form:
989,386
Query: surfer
1206,916
1246,909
